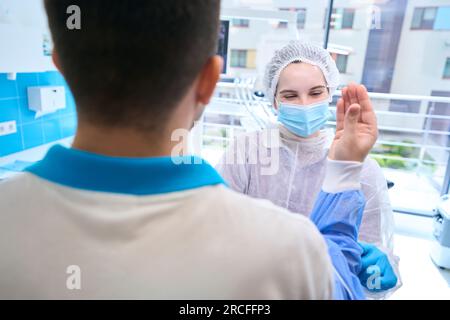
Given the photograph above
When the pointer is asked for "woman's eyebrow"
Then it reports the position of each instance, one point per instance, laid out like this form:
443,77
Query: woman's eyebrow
288,91
318,87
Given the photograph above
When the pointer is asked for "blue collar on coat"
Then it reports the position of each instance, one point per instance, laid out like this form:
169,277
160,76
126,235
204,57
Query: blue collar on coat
133,176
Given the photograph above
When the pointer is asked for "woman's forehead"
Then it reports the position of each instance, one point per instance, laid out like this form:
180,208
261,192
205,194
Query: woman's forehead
301,77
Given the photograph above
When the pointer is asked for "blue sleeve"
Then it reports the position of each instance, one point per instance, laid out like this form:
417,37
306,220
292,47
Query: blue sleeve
338,217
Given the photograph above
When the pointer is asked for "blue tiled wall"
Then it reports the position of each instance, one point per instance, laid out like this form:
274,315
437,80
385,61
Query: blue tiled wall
33,132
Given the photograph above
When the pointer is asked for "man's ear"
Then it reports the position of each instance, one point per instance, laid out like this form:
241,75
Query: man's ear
208,79
55,59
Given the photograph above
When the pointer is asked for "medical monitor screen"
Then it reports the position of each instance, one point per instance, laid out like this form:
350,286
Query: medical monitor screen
223,43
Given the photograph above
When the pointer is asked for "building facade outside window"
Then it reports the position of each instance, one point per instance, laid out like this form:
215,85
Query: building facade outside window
341,18
301,18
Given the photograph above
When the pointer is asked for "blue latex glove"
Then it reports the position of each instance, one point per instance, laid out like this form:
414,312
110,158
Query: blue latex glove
376,272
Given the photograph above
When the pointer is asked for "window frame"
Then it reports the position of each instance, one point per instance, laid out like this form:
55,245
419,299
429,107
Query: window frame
421,27
346,10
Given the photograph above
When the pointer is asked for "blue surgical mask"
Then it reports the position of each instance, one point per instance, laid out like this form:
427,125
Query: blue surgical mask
304,120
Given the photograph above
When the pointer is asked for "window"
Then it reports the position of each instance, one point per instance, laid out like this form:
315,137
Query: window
431,18
423,18
282,25
389,59
447,69
243,59
442,21
238,58
301,18
341,18
240,23
392,59
341,61
347,18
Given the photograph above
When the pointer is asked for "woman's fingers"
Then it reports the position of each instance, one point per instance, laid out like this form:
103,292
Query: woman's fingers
367,112
352,93
351,120
340,114
346,98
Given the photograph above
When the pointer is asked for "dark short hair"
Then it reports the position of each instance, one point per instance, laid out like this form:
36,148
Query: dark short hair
132,61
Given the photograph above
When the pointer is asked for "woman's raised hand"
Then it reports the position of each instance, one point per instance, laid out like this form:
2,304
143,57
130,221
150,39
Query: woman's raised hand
356,125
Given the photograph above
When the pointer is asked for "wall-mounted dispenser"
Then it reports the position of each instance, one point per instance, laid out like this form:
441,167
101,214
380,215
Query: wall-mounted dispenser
46,99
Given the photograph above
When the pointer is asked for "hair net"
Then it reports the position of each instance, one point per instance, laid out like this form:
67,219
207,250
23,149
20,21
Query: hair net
303,52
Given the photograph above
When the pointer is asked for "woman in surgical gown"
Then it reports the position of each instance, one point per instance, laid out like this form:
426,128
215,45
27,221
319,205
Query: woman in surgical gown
285,163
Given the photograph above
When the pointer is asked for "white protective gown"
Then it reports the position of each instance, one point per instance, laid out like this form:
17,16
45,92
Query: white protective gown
249,166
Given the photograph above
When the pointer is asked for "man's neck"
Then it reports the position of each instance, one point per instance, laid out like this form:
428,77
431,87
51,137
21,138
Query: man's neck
120,142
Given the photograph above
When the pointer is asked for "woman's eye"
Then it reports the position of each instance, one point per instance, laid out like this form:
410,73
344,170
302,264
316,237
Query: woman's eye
289,97
316,93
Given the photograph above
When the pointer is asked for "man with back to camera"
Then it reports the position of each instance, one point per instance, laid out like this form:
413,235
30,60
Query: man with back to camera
117,210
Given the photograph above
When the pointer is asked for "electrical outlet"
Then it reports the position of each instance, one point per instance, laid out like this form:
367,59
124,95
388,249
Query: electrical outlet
8,127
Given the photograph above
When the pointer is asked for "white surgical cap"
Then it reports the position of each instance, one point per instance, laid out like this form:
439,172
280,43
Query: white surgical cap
303,52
